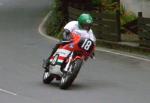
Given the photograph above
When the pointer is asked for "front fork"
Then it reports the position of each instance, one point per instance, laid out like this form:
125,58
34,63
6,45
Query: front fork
67,67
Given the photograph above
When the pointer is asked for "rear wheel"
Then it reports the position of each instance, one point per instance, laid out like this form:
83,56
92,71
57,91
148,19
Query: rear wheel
47,77
68,78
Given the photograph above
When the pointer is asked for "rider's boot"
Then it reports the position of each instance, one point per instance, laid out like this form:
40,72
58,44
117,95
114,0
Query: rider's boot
46,62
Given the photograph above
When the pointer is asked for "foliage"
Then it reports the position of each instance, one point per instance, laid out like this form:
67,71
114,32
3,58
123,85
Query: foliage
109,5
96,2
56,19
126,16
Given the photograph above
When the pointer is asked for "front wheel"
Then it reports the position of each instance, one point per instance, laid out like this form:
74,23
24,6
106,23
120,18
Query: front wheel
68,78
47,77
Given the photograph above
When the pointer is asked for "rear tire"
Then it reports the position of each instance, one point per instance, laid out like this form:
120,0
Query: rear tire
47,77
68,78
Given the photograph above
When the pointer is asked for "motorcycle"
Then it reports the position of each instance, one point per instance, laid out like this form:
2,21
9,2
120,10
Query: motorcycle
67,61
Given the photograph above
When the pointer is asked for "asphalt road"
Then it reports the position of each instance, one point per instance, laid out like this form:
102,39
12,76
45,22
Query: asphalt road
108,79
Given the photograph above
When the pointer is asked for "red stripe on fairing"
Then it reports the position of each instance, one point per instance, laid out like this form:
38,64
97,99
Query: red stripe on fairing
60,57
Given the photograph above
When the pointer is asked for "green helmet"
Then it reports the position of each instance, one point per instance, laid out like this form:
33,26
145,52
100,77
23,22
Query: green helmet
85,19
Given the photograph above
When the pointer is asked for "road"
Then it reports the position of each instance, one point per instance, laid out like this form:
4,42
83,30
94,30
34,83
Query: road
110,78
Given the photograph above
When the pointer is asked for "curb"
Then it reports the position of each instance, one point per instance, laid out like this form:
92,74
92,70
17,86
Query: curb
124,47
42,27
105,46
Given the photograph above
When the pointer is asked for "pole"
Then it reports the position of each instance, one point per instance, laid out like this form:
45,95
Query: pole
118,20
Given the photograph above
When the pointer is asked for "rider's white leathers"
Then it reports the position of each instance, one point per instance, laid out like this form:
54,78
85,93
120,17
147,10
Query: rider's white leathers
73,26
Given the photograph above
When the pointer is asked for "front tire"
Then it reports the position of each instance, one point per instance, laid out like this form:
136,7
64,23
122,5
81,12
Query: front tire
68,78
47,77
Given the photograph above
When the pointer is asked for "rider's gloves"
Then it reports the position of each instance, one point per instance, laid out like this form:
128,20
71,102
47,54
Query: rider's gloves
66,35
93,55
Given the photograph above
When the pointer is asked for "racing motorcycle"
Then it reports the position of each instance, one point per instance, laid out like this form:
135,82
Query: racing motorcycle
66,62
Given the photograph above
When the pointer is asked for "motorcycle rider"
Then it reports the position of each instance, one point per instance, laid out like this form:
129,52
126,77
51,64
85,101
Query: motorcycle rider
83,23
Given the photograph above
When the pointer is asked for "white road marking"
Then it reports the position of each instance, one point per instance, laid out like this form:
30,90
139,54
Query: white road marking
98,48
40,29
7,92
123,54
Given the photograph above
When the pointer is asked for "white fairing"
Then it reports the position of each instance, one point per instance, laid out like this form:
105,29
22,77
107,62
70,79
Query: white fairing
55,69
62,52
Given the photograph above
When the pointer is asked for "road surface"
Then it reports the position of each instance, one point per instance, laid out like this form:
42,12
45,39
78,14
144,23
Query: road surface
110,78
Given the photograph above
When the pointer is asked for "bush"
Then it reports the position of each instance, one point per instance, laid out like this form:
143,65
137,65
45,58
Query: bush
96,3
126,16
56,19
